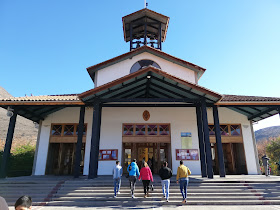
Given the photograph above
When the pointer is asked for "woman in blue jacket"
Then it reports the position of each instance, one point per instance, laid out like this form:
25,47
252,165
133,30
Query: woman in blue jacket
133,172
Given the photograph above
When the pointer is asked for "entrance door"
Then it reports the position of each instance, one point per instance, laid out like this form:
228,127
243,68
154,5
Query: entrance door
147,152
152,153
234,158
61,158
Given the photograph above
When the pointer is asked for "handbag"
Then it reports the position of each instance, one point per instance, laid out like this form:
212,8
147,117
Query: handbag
129,169
152,187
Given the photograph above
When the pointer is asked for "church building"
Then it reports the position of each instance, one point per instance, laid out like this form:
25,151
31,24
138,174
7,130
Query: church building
145,105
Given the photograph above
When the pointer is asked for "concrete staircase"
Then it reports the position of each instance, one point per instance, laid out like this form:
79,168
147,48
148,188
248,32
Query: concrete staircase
66,191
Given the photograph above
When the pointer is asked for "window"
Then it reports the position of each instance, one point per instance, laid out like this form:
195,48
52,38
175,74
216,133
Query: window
66,130
146,129
235,130
128,130
163,129
152,130
226,130
140,130
56,130
142,64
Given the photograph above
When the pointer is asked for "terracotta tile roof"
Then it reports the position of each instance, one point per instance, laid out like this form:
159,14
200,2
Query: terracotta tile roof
239,98
66,97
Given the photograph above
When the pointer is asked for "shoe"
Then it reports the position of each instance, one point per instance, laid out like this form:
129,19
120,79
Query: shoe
119,192
115,196
163,196
184,201
145,196
132,196
167,200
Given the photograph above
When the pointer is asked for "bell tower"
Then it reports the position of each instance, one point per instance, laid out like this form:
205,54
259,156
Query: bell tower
145,27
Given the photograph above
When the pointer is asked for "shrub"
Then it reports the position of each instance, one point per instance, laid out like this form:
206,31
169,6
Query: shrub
20,161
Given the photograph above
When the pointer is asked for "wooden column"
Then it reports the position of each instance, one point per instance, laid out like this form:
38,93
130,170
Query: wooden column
130,35
95,140
8,145
219,142
145,36
201,141
159,34
79,145
207,140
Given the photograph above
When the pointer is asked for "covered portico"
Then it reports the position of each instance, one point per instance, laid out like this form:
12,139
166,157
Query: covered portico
151,87
148,87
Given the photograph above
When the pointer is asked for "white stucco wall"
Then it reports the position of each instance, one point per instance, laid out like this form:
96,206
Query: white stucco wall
180,119
227,116
122,68
67,115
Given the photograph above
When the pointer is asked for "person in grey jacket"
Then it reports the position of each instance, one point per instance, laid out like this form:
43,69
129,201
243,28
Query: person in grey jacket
117,175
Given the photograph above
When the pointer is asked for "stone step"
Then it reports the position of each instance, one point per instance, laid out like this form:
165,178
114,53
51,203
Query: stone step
139,202
159,197
156,194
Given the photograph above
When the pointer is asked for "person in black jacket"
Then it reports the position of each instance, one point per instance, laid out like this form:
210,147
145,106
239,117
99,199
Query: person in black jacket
165,174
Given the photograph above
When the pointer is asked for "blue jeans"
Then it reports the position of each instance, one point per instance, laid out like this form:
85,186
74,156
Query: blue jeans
183,187
117,185
165,187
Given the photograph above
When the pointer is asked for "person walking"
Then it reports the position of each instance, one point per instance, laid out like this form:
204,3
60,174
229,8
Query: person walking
183,173
146,176
117,175
265,160
133,172
165,174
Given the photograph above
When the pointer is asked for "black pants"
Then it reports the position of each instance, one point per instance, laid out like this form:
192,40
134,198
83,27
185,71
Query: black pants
146,184
132,182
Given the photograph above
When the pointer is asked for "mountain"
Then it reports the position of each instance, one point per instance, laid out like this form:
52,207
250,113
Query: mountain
266,133
25,131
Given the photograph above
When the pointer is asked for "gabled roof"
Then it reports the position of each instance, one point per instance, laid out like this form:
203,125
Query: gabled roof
92,69
151,81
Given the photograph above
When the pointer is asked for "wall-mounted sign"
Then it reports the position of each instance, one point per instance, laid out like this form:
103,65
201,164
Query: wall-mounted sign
146,115
108,154
186,140
187,154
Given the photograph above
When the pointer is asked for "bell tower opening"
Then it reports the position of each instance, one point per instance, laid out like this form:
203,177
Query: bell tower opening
145,27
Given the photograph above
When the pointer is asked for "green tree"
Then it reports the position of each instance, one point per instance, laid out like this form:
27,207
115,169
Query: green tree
273,152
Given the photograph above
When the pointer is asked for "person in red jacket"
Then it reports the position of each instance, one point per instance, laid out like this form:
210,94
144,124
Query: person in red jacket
146,176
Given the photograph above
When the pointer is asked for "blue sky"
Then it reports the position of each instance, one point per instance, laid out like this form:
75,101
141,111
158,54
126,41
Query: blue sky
46,45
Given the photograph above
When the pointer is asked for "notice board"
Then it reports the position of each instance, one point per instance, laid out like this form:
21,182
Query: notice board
187,154
108,154
186,140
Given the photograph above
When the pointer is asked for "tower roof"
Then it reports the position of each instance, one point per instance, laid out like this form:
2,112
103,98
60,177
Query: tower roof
139,18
